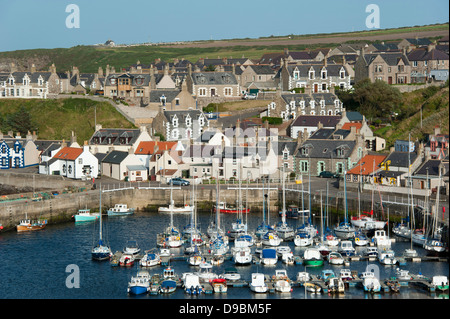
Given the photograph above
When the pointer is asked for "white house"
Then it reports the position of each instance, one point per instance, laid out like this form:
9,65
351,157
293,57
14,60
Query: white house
124,166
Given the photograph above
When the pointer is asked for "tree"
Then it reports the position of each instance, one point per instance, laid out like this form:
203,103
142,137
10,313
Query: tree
377,99
20,121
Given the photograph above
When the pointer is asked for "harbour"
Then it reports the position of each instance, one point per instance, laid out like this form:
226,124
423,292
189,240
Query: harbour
47,254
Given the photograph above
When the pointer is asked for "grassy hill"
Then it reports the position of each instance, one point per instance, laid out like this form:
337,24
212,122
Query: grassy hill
89,58
56,119
434,102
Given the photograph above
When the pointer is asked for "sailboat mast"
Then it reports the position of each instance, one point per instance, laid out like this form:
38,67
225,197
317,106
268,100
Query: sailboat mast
100,212
283,214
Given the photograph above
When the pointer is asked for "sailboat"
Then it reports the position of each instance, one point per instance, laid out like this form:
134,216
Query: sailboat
219,242
264,227
171,236
239,227
435,245
345,230
101,251
186,209
283,230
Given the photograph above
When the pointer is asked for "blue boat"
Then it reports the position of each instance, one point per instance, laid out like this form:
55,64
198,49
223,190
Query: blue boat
139,284
168,286
101,251
85,215
120,210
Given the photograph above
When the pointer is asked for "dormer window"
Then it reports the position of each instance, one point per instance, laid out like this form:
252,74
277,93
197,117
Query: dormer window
311,74
302,104
292,105
112,81
40,81
312,104
11,81
324,74
285,155
175,121
342,74
26,80
162,99
296,75
322,103
201,121
139,81
188,121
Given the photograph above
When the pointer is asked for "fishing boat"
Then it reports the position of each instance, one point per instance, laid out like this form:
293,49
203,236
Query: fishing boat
139,284
370,251
386,257
195,259
27,225
282,282
242,256
335,258
186,209
312,257
167,286
219,285
205,272
101,251
120,210
229,209
402,274
345,275
85,215
364,221
371,283
192,284
150,259
126,260
303,276
381,240
258,284
269,256
327,274
440,283
231,274
346,248
132,248
271,239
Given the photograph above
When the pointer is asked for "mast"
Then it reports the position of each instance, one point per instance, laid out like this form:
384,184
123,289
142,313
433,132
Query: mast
100,213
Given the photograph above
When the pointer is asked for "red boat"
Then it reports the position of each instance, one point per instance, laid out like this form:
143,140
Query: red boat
224,208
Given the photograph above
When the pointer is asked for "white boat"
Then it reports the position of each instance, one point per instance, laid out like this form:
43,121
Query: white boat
303,276
244,240
367,222
282,283
150,259
440,283
269,256
381,240
237,228
271,239
345,275
258,284
402,274
205,272
219,285
195,259
386,257
370,251
231,274
101,251
140,283
287,258
126,260
330,240
132,247
335,285
186,209
303,239
434,246
192,284
335,258
312,257
120,210
345,231
242,256
371,284
346,248
361,239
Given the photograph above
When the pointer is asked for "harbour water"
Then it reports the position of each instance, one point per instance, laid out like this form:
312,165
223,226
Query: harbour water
39,264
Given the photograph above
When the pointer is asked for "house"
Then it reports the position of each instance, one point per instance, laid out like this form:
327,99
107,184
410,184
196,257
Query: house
213,138
125,166
258,77
390,67
127,86
105,140
372,143
289,106
221,86
429,174
317,155
16,152
30,84
245,162
366,167
425,60
438,145
409,44
319,77
180,125
308,124
72,162
172,99
198,157
285,152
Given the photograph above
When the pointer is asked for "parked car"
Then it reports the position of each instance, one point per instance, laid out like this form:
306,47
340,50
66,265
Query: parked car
249,96
178,181
328,174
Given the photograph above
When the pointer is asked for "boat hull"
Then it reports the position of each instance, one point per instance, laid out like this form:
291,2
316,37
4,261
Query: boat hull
138,290
26,228
100,256
313,262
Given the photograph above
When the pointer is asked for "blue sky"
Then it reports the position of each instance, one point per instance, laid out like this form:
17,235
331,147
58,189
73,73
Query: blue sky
31,24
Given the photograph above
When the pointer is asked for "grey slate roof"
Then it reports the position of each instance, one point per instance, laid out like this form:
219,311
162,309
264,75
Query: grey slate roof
136,79
119,136
313,120
115,157
391,59
329,98
432,166
326,148
332,69
401,159
155,95
213,78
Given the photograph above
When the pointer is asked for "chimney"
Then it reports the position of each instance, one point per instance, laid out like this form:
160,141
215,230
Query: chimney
52,68
107,70
437,130
100,72
286,51
13,67
33,68
29,136
319,125
85,146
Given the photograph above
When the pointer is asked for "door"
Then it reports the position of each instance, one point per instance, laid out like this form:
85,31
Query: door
389,79
316,88
213,92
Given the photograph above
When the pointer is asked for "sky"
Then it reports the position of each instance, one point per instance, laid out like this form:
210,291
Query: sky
33,24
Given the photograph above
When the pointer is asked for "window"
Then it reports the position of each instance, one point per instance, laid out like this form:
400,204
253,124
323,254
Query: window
324,86
296,75
139,81
311,75
177,101
228,91
378,68
202,92
342,74
285,156
112,81
303,166
80,161
324,74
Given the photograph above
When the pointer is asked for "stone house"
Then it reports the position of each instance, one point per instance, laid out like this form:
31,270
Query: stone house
105,140
180,125
366,167
305,125
409,44
319,77
392,68
128,86
172,99
258,77
425,60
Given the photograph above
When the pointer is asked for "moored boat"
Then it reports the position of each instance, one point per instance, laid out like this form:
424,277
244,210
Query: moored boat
120,210
27,225
258,284
228,209
312,257
140,283
219,285
85,215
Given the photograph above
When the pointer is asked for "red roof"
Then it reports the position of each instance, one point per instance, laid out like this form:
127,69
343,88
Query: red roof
148,147
366,165
348,125
69,153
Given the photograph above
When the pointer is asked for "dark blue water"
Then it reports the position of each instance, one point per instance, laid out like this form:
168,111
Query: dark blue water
34,264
